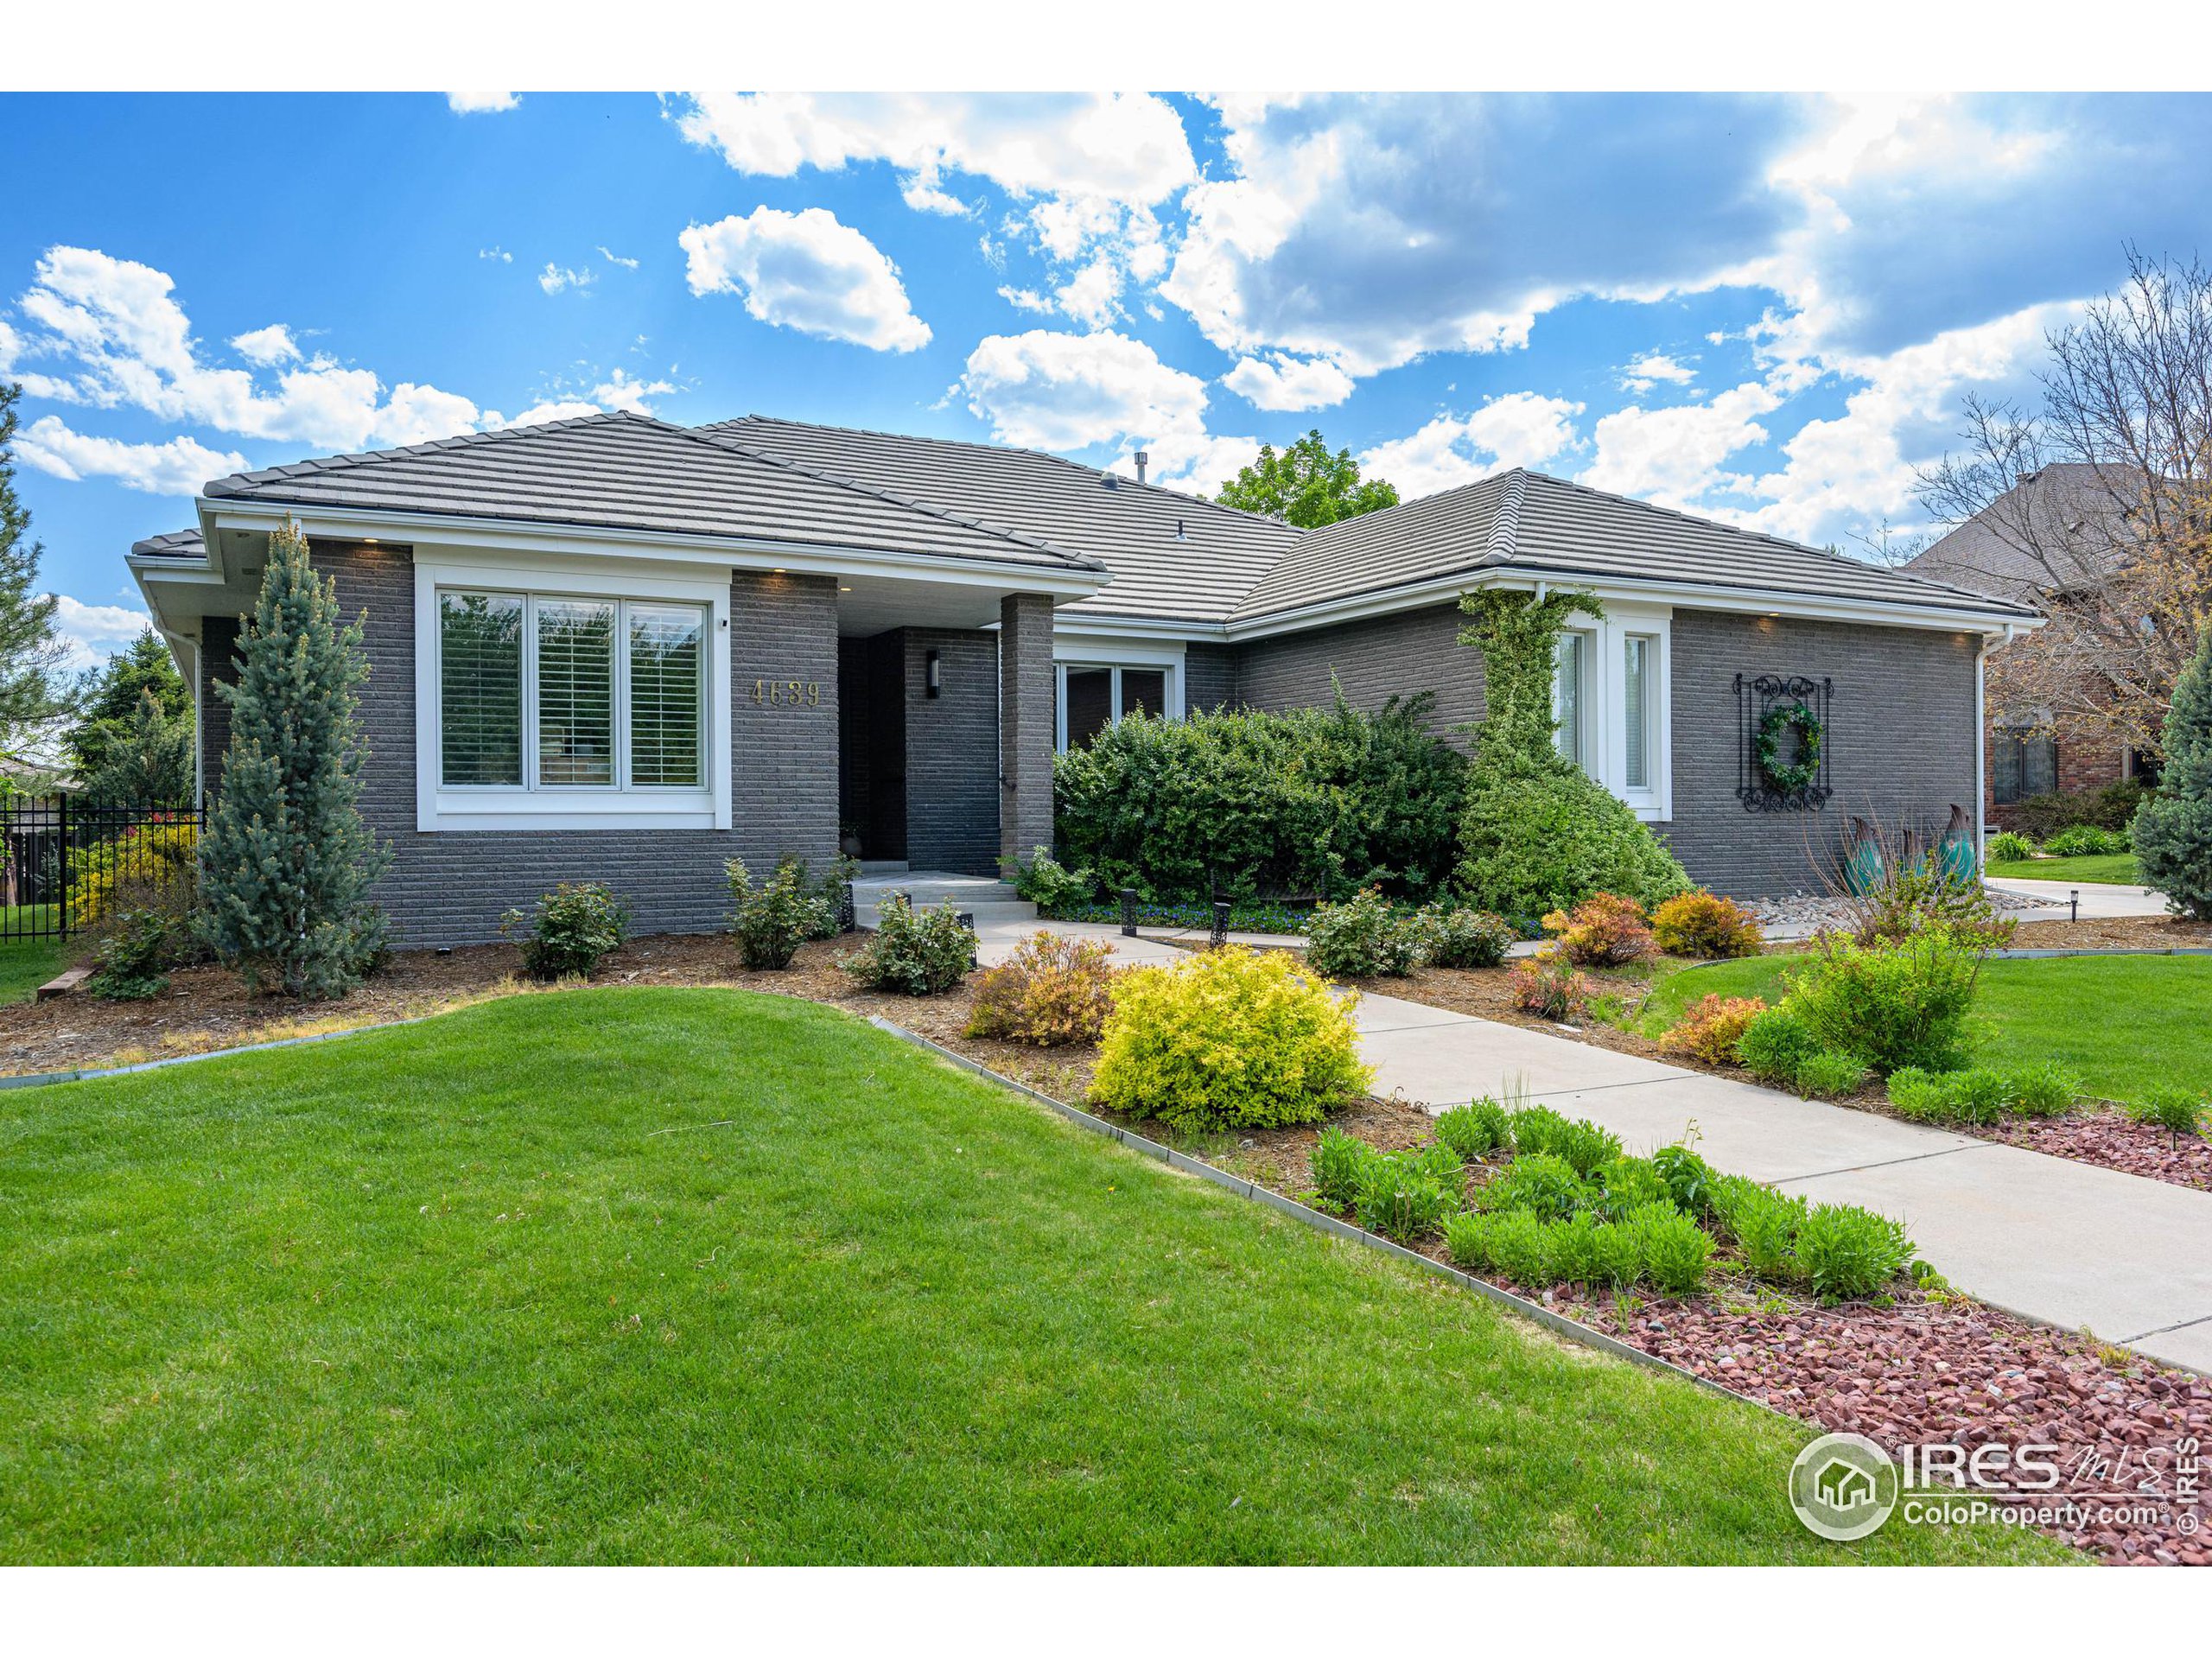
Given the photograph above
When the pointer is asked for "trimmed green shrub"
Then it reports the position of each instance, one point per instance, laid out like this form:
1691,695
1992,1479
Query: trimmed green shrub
914,952
1580,1142
1246,804
1976,1097
2173,828
1541,1182
1052,991
1466,1238
1774,1044
572,927
1676,1251
1688,1178
1763,1223
1897,1004
1364,936
1047,883
2009,846
1519,1246
1228,1039
1701,924
1339,1160
1460,938
1475,1130
2178,1111
770,922
2112,806
1826,1074
1845,1253
1576,1249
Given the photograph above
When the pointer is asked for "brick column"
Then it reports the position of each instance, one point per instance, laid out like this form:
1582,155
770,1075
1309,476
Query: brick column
1026,722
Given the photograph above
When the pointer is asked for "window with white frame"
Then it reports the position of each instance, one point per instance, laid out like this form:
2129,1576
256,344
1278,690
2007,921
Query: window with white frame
1094,696
1639,652
1609,699
549,692
1570,694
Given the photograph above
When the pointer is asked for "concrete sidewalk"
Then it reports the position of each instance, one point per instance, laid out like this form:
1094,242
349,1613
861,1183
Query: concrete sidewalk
2067,1242
2100,901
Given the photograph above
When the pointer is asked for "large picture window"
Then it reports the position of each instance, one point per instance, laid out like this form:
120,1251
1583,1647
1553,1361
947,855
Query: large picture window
555,693
2024,763
1091,698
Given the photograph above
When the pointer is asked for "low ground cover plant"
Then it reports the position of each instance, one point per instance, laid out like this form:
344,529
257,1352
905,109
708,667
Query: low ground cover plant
1475,1130
2178,1111
915,952
1232,1038
1050,992
1603,930
1364,936
1701,924
771,921
1981,1095
2086,841
137,951
1711,1027
567,930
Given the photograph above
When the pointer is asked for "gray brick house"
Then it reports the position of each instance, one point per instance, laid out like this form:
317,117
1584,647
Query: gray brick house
614,649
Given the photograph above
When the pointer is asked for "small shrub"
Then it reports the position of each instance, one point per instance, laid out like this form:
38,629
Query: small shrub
1627,1184
1575,1250
2177,1111
1763,1223
1459,937
771,921
1617,1255
1675,1249
1689,1179
1052,991
1711,1027
1826,1074
1475,1130
1548,985
1701,924
2044,1090
916,952
140,947
1402,1197
1466,1238
830,891
1519,1246
1603,930
1586,1147
1228,1039
1363,937
1774,1044
1047,883
2009,846
2085,841
1339,1160
571,929
1979,1096
1845,1253
1541,1183
1897,1004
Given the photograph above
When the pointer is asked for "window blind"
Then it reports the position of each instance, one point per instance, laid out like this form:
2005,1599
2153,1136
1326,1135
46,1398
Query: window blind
665,705
1636,710
1568,696
575,692
480,671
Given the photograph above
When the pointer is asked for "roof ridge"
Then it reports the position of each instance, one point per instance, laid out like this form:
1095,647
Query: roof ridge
224,485
1121,480
1505,534
1020,539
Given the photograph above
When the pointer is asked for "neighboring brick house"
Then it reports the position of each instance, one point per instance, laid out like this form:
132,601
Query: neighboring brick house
2055,529
619,650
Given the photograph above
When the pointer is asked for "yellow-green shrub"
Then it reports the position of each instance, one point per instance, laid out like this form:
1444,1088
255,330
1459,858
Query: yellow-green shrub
1052,991
110,875
1229,1039
1701,924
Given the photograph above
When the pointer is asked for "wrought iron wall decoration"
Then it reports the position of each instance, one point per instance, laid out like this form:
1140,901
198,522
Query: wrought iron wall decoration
1781,742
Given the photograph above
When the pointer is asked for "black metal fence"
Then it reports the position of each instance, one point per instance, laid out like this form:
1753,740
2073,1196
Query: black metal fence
65,866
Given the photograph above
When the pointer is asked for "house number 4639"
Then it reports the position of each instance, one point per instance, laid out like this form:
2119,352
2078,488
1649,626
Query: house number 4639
788,694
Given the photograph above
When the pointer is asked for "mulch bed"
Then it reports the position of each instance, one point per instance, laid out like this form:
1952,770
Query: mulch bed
2113,1140
2115,932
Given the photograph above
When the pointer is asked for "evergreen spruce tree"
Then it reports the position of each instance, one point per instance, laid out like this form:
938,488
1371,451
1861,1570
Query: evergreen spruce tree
2173,828
30,652
108,698
286,863
147,759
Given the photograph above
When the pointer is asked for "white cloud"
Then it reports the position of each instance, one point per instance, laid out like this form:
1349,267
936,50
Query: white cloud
1068,392
1284,383
554,277
1092,295
619,390
500,254
177,468
1520,429
924,197
265,347
1195,459
92,633
558,408
1673,456
481,103
1025,299
808,271
416,414
614,258
1650,369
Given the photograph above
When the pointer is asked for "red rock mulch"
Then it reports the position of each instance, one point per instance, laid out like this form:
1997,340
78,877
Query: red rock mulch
2115,1140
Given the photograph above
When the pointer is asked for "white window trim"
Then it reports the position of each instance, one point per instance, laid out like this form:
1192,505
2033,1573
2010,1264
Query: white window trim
479,807
1605,704
1116,658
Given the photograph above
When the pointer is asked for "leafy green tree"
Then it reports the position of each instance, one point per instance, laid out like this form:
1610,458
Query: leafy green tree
30,652
2173,828
1537,833
286,864
108,699
150,759
1306,486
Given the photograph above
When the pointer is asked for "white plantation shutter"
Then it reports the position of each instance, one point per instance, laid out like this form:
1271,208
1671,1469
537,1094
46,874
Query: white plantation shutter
575,692
667,654
1636,710
480,682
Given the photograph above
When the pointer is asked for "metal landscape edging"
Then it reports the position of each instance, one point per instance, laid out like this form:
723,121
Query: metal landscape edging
1573,1330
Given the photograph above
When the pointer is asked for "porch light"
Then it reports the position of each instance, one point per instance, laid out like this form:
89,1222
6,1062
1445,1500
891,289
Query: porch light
932,674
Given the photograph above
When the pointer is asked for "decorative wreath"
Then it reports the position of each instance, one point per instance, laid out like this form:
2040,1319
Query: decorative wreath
1805,770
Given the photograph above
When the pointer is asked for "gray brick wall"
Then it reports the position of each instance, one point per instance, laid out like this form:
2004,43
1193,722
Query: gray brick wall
219,638
952,759
450,887
1026,724
1418,651
1208,677
1900,740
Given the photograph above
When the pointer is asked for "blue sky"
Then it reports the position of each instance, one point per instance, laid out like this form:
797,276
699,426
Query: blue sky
1767,309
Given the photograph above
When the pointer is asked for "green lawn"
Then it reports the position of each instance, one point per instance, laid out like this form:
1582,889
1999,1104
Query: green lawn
2103,867
26,965
2125,1023
695,1275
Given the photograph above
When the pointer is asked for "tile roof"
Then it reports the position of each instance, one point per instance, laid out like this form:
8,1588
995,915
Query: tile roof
2060,527
629,472
171,544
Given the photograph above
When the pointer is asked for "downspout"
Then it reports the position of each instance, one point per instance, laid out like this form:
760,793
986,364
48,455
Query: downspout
1982,750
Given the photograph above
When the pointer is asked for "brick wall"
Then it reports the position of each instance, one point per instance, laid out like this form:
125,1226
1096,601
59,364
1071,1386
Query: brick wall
1026,724
1417,650
1208,677
952,751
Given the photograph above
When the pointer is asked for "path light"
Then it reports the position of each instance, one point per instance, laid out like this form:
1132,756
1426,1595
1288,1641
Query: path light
1220,935
2075,899
1129,912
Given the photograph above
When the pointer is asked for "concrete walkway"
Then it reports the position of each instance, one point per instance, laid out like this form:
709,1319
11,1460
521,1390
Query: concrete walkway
2067,1242
2099,900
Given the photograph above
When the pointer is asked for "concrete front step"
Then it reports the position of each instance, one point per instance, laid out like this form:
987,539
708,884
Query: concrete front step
986,913
934,887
